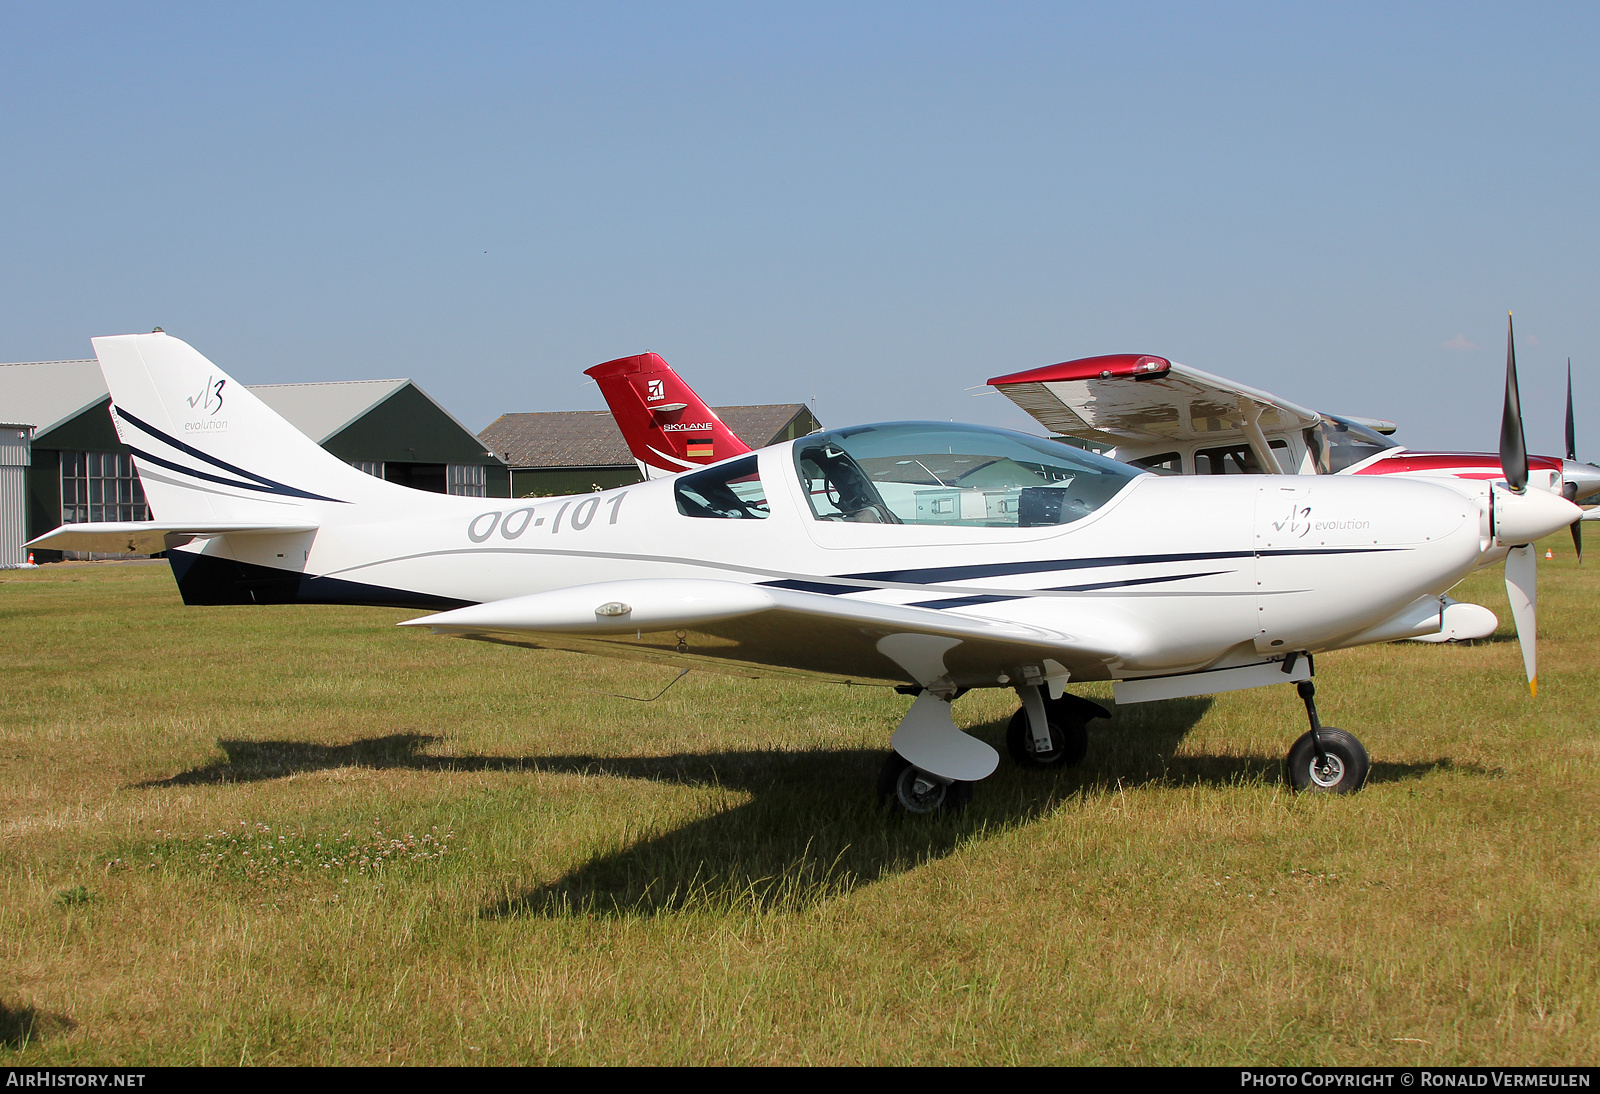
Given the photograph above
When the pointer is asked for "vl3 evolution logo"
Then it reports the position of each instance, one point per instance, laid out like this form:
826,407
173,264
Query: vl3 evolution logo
1298,524
209,401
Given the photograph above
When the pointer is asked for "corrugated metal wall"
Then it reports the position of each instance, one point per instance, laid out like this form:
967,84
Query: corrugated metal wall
14,441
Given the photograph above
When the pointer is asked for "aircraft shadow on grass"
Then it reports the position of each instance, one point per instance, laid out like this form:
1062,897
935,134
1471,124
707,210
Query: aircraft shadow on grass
21,1026
811,829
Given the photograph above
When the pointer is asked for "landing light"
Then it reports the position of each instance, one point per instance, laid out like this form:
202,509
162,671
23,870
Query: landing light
613,608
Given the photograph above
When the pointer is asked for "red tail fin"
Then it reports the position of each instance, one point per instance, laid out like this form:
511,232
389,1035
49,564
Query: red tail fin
667,427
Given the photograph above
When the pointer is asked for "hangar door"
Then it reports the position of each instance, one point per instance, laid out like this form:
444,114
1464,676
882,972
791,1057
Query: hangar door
14,441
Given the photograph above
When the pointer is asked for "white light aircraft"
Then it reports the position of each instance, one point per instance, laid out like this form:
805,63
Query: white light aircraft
929,556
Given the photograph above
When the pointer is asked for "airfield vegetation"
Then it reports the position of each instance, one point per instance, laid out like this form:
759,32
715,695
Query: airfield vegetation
302,835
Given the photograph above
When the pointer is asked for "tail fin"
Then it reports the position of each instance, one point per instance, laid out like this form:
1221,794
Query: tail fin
667,427
208,450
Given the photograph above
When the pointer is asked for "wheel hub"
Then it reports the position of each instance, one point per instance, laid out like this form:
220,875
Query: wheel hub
1045,755
1327,772
919,792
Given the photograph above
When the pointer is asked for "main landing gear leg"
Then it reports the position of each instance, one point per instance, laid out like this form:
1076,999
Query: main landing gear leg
1325,760
1050,732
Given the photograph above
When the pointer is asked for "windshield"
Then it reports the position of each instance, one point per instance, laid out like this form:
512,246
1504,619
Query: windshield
1337,443
941,473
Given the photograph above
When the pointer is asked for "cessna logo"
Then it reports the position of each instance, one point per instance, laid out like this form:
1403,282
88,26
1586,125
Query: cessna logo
658,391
210,398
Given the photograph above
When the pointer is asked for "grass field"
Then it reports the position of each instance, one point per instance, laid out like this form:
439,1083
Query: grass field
302,835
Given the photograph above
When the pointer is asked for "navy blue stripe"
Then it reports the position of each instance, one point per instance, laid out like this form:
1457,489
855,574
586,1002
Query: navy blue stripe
267,485
1328,551
845,584
964,601
191,472
813,586
935,574
967,601
1132,581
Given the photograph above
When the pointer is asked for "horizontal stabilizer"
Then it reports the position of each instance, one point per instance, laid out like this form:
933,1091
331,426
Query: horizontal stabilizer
146,537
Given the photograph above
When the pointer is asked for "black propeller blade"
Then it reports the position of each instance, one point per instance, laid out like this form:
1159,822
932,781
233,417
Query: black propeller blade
1513,448
1572,434
1570,490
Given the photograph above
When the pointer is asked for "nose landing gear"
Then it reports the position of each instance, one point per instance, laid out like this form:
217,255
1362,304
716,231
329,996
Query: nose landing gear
1325,760
910,789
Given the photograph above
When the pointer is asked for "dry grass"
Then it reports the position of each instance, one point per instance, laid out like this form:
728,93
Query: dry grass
704,878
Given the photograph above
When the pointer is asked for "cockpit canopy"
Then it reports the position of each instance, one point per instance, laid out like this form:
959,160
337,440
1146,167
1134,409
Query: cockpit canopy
947,474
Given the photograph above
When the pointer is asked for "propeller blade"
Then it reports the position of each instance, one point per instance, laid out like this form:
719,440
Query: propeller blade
1513,448
1572,434
1521,589
1570,492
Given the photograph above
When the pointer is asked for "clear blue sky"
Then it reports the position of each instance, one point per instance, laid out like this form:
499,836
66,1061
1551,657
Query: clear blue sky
879,204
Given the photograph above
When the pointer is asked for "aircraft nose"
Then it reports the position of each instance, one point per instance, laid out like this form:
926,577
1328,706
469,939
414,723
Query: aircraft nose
1525,517
1585,476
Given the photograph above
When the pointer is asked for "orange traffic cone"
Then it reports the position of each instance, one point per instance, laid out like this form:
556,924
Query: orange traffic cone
1548,553
30,559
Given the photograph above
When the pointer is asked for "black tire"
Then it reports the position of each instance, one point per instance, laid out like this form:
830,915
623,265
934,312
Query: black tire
1069,741
897,790
1071,708
1346,769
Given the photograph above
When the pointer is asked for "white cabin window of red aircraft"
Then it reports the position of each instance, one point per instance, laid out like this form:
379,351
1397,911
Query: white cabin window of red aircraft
730,491
1337,443
945,474
1162,463
1234,459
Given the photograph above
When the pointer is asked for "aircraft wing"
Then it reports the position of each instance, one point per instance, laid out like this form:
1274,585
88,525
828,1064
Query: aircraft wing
146,537
1137,399
758,630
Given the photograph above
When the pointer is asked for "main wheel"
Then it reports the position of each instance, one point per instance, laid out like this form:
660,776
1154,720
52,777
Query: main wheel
909,789
1344,770
1069,741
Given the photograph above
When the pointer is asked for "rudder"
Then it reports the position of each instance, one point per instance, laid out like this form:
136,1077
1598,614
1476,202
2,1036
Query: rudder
667,426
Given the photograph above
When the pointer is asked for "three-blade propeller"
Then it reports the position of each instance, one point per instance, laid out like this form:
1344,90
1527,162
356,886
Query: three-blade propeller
1519,516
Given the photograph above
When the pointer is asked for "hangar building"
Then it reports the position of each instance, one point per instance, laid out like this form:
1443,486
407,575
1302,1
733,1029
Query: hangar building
574,451
77,469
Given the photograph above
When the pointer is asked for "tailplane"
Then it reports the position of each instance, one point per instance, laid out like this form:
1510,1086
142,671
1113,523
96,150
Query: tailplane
667,426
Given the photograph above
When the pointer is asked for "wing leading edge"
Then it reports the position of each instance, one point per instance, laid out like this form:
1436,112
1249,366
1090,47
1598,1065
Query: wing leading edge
759,630
1141,399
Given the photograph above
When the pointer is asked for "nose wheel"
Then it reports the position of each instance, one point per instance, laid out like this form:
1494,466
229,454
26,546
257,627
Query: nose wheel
1325,760
907,789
